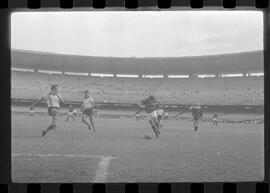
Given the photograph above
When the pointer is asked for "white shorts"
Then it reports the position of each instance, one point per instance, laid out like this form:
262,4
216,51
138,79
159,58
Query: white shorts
152,115
214,119
70,113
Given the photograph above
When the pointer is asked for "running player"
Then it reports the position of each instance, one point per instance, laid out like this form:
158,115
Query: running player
70,113
214,119
150,105
87,110
196,115
137,117
53,102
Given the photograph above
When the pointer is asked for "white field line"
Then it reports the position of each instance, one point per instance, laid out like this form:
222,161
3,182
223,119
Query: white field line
102,170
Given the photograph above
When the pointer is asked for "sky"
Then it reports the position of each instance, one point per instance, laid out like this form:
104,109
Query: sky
138,33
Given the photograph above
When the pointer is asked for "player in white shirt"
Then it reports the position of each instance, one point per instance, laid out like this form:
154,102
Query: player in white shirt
160,115
70,113
53,102
87,110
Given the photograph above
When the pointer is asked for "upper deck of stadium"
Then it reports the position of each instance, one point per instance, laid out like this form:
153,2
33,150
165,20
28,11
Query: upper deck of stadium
221,63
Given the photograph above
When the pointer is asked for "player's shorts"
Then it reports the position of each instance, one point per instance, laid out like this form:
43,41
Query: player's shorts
196,118
214,119
159,117
152,115
53,111
70,113
88,112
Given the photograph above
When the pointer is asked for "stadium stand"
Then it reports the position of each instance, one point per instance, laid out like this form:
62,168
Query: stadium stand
225,63
208,91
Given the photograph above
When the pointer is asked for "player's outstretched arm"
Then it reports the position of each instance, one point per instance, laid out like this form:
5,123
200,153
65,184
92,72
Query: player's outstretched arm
137,112
36,102
141,107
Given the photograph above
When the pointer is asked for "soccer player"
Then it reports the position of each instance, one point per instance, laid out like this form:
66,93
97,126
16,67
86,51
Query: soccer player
32,111
137,117
166,116
214,119
74,112
87,110
53,102
150,106
70,113
196,115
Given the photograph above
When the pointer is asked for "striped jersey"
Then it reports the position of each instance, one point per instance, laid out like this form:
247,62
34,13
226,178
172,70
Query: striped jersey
88,102
53,100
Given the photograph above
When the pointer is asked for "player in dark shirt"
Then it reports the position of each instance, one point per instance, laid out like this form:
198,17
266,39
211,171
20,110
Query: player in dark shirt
150,105
32,111
197,116
214,119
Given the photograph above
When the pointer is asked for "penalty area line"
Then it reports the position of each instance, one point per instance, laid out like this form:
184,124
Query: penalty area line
102,170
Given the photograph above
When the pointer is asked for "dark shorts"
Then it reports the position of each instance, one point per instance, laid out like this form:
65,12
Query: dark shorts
53,110
159,117
88,112
196,118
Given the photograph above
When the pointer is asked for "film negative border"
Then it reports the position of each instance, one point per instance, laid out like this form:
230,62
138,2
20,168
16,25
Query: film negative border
131,4
7,6
137,188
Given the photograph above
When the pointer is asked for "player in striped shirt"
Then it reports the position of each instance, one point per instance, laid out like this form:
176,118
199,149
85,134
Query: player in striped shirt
87,110
53,102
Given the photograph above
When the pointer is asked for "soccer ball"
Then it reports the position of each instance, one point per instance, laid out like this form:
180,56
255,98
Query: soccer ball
147,137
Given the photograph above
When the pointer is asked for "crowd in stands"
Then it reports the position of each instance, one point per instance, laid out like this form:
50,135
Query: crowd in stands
208,91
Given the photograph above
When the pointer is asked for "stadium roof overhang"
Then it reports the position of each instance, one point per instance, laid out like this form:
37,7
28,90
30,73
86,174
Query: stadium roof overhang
213,64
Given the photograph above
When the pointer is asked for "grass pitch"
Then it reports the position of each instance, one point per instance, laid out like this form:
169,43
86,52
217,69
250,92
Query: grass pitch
119,152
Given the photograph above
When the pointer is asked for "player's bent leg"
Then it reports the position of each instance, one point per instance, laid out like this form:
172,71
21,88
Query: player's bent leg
153,125
92,123
50,127
155,121
84,117
196,123
156,125
159,121
54,114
